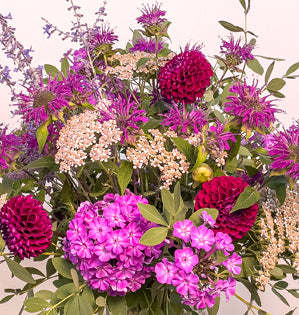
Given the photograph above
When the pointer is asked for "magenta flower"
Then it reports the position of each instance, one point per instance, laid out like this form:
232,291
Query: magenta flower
250,109
103,36
183,230
186,283
151,16
227,286
234,53
284,149
202,237
116,242
146,44
45,101
185,259
224,242
25,226
207,218
232,264
127,116
165,271
98,229
184,122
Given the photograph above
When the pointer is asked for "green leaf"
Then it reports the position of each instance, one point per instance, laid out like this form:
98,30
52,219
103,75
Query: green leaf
2,243
117,305
243,4
246,199
66,290
185,147
291,312
292,68
42,135
34,271
294,293
65,66
154,236
214,310
142,61
88,296
151,214
210,211
229,26
44,294
124,175
35,304
77,306
276,84
209,96
168,201
52,71
287,268
151,124
19,271
177,197
280,285
244,151
281,297
6,298
219,115
255,66
6,186
44,162
231,165
195,218
201,157
269,71
276,272
261,312
63,266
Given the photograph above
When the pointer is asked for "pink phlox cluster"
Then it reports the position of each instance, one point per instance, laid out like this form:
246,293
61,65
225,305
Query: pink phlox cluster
103,243
190,269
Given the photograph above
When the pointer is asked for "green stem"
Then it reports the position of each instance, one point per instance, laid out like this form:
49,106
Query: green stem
249,304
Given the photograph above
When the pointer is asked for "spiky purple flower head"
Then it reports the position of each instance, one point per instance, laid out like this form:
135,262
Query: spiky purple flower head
25,226
151,16
103,36
284,149
234,52
250,109
146,44
44,101
183,121
127,116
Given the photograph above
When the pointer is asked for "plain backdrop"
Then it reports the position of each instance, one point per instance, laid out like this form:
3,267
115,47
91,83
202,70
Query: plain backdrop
275,22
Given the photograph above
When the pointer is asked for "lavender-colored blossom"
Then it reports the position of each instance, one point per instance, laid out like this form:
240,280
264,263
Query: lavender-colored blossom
127,116
185,259
235,53
146,44
183,230
184,122
44,101
202,237
151,16
48,29
232,263
284,149
250,109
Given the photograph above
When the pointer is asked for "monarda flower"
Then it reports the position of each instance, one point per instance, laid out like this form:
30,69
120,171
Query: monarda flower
284,149
44,101
185,77
222,193
250,109
151,16
147,45
25,226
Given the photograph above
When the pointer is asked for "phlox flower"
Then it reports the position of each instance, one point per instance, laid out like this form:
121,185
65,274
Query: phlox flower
165,271
186,283
232,263
185,259
116,241
207,218
183,230
202,238
224,242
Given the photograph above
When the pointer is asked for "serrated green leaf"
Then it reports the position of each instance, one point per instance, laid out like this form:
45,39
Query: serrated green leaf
124,175
185,147
142,61
65,66
276,84
63,266
42,135
44,162
255,66
151,213
244,151
53,71
19,271
154,236
231,27
117,305
35,304
246,199
269,72
151,124
281,297
292,68
168,201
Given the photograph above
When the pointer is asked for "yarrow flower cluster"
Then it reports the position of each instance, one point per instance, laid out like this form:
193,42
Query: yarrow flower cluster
222,193
25,226
185,77
193,263
103,242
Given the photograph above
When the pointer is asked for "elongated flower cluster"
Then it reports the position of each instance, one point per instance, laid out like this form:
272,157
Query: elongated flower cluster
222,193
103,243
171,164
25,226
84,132
193,265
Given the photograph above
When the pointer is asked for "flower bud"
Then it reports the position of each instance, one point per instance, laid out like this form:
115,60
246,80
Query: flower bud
202,174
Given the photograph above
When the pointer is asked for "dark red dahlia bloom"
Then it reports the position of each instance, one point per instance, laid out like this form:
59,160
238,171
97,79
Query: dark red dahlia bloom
222,193
185,77
25,226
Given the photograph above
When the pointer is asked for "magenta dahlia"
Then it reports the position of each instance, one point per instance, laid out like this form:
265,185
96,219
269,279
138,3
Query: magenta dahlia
222,193
185,78
25,226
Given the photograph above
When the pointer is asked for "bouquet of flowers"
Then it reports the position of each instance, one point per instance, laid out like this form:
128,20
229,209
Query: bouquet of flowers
148,181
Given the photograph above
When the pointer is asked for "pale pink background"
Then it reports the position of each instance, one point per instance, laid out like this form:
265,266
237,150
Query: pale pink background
276,23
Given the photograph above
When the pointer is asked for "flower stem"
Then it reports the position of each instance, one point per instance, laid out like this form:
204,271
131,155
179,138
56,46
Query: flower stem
249,304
